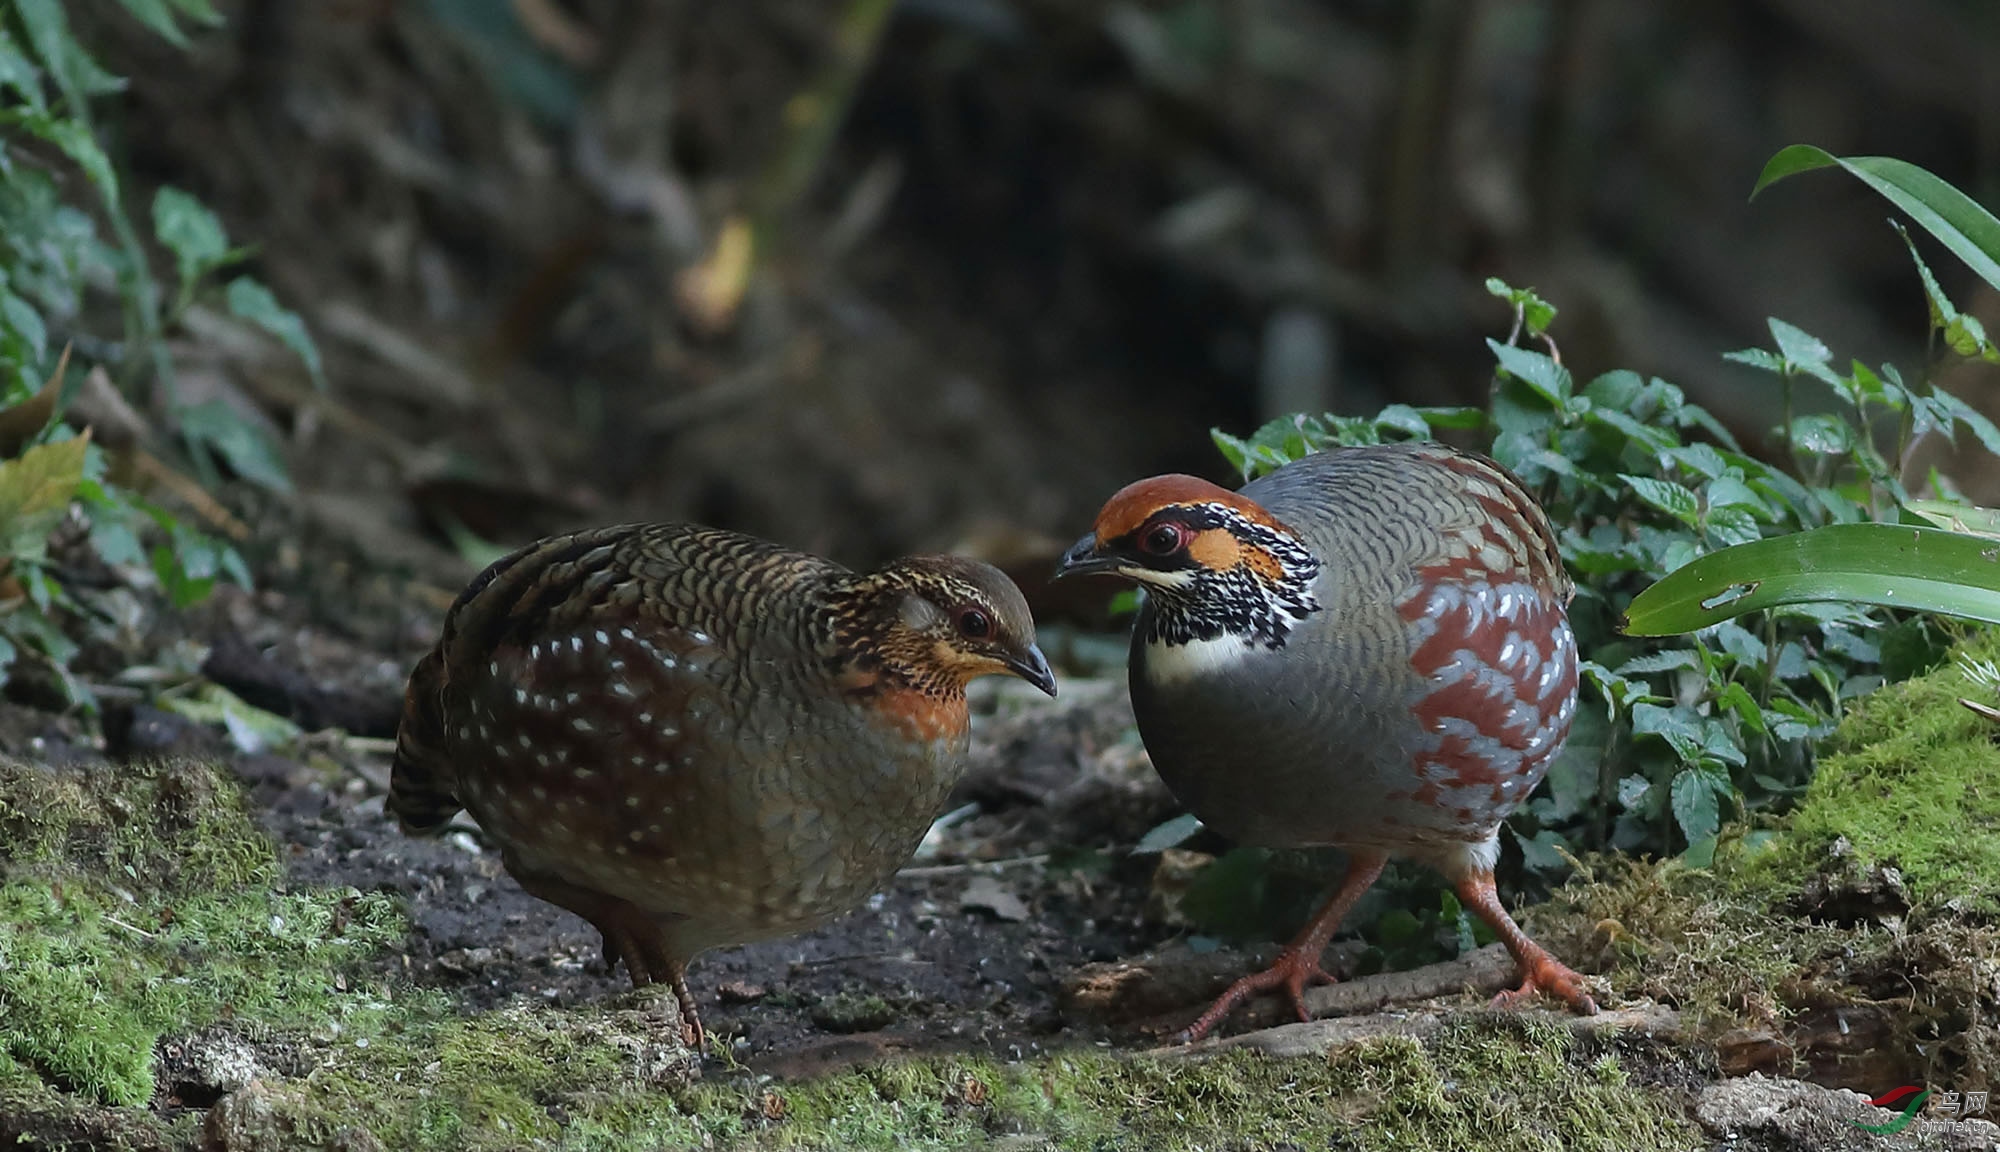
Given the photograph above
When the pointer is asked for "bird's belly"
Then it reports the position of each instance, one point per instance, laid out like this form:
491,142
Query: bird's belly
767,836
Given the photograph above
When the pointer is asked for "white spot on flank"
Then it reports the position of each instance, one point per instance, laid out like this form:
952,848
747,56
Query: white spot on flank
603,637
1196,659
576,643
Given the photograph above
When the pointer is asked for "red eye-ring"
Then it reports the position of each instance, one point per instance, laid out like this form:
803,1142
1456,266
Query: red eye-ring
1163,539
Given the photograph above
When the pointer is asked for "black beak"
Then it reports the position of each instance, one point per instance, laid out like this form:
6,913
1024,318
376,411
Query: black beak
1033,667
1083,558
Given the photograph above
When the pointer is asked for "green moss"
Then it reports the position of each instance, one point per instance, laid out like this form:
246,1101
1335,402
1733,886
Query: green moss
1912,778
138,901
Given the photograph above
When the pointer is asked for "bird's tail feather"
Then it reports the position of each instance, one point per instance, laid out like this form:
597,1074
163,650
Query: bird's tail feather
420,792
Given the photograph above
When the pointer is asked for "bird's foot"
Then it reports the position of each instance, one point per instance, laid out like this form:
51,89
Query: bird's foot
1294,972
692,1031
1544,973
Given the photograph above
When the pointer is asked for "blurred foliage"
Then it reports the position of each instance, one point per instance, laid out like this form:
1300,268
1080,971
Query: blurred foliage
60,192
1678,734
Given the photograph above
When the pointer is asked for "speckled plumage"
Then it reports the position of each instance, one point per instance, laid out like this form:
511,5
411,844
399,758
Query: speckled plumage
696,738
1367,648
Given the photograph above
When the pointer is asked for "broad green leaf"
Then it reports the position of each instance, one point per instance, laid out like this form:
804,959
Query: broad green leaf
254,302
1667,661
1958,517
1960,224
190,231
1803,351
1697,806
1822,433
1549,379
1895,566
1676,500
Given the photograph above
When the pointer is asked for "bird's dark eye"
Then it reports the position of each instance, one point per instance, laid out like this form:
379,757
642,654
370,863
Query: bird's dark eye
974,624
1163,539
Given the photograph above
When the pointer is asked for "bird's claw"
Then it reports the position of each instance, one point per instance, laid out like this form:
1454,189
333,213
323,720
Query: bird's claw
1292,973
1549,975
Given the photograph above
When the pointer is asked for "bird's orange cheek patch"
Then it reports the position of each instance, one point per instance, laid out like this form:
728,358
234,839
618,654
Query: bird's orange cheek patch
1215,549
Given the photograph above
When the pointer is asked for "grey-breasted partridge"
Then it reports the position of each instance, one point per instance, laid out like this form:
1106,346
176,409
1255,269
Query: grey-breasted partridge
1368,648
694,738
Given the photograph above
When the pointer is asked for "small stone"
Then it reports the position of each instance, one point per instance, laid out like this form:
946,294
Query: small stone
987,894
741,992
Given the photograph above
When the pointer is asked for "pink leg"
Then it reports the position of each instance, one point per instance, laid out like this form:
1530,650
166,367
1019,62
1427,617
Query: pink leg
1539,970
1298,965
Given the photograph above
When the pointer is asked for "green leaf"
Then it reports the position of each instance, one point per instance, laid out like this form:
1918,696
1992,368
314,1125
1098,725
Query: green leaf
75,142
156,15
1169,834
77,76
19,74
1803,351
1676,500
1758,358
254,302
1536,313
1822,433
1891,565
1697,806
191,232
1958,517
1549,379
248,451
1960,224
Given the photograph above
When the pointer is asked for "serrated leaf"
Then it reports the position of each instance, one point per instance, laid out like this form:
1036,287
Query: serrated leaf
1632,791
1803,351
1547,378
1822,433
254,302
1667,661
1758,358
1676,500
1697,808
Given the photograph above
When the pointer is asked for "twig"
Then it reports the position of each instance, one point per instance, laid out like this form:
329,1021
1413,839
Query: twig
933,870
136,931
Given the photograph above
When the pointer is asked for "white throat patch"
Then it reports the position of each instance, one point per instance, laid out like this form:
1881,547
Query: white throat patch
1194,659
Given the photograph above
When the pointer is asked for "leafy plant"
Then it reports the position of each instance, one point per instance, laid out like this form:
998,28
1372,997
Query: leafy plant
1677,734
1953,568
60,193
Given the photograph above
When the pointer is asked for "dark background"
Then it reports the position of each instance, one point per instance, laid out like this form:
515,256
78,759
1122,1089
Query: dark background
1052,243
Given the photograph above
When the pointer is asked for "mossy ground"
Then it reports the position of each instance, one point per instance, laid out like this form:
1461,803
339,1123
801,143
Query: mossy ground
139,904
1910,782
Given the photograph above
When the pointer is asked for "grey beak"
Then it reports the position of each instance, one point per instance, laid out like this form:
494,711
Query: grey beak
1034,668
1083,558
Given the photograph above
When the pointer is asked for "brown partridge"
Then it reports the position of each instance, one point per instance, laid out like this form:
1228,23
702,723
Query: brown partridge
693,738
1368,648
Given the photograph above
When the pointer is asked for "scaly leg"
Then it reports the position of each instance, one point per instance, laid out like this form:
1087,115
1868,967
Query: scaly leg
1298,965
631,935
1539,970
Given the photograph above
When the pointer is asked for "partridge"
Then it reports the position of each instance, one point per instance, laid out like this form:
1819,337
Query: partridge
1368,648
693,738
